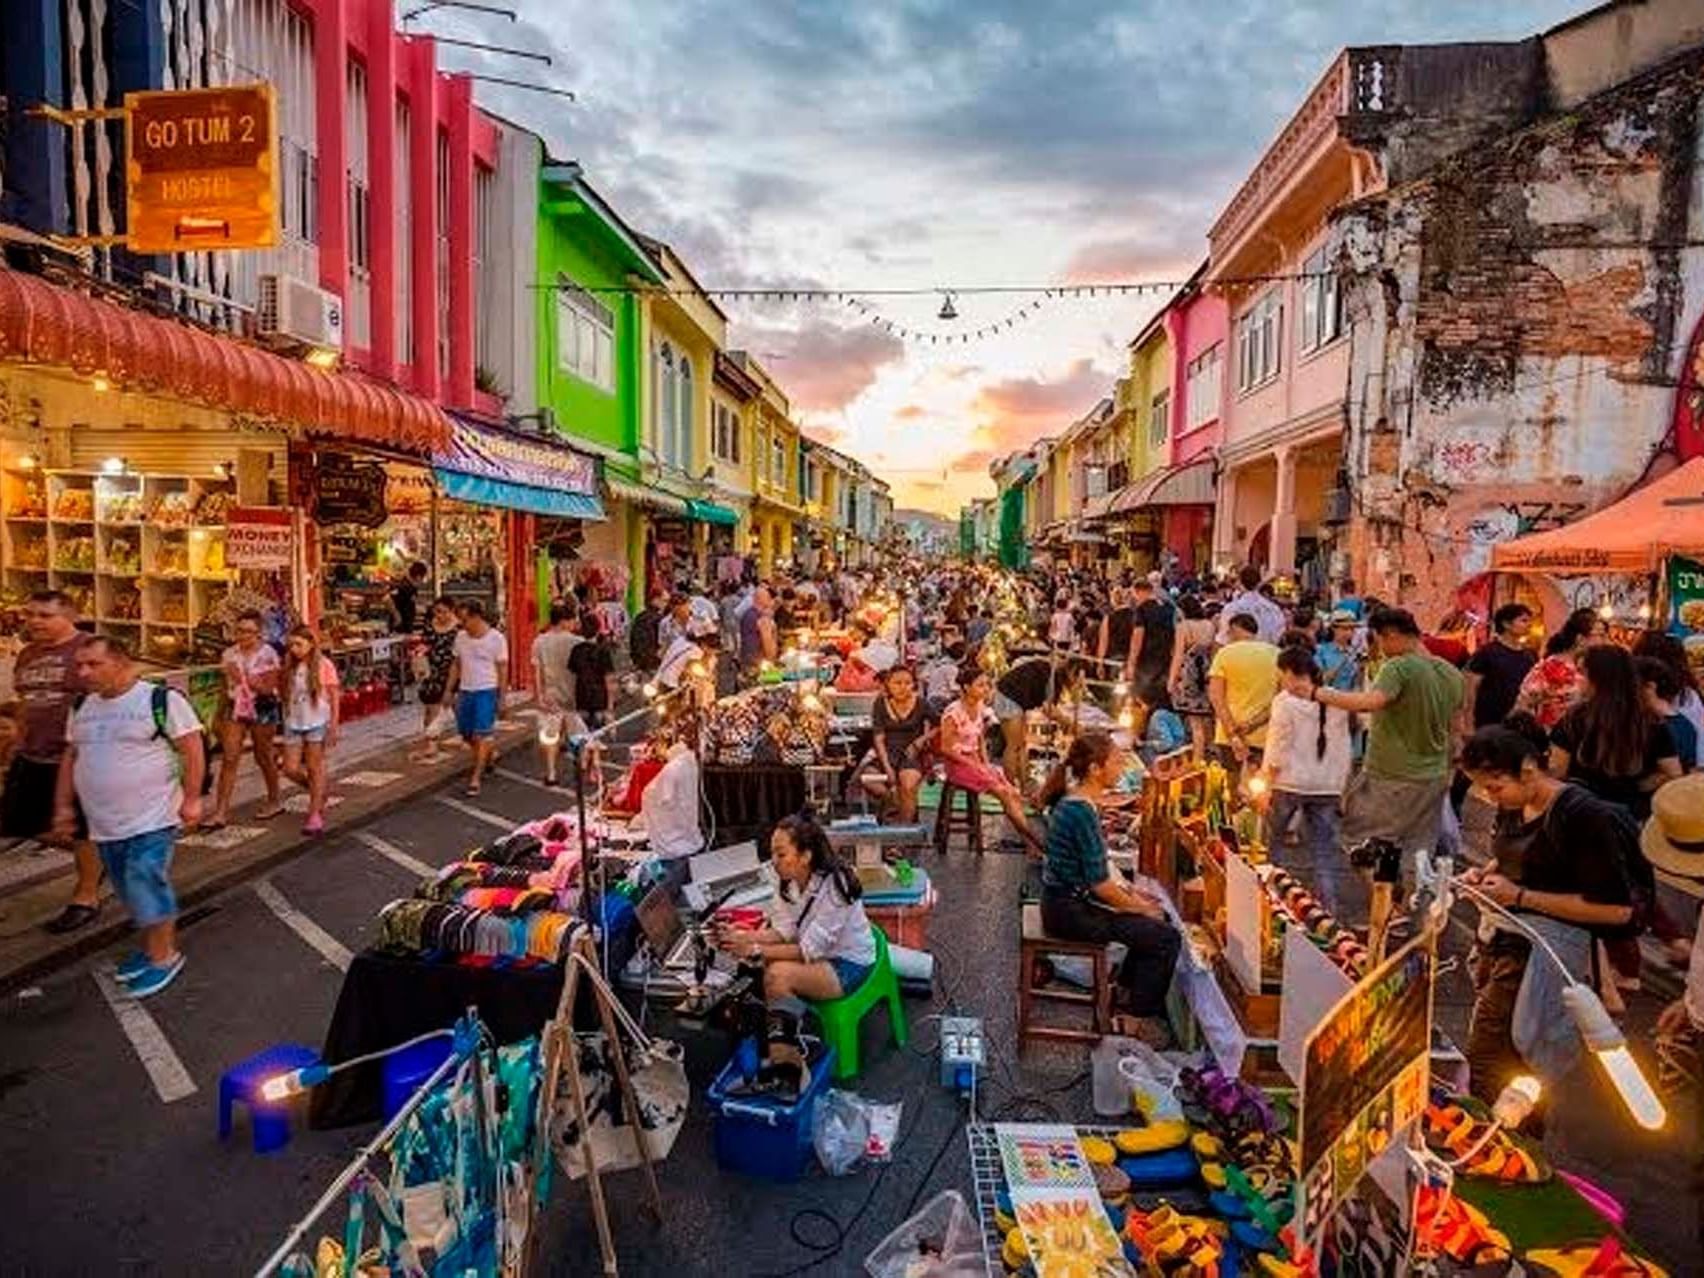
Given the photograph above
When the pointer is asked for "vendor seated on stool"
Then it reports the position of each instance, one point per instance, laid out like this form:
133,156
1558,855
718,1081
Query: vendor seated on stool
1083,899
966,753
819,945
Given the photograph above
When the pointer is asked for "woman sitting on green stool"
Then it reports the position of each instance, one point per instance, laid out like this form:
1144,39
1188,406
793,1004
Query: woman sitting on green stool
819,945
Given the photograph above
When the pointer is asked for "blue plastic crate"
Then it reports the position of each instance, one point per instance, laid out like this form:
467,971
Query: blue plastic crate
756,1136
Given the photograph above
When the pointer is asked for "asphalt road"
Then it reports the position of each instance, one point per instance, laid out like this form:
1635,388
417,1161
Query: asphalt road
102,1174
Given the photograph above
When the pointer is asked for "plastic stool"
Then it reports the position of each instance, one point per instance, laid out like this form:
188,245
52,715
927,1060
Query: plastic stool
842,1017
268,1120
404,1071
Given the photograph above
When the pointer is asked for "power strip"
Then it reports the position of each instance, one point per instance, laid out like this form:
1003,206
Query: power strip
962,1054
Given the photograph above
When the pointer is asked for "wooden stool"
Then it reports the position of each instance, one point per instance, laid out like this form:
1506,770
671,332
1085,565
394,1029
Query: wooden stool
1034,946
969,821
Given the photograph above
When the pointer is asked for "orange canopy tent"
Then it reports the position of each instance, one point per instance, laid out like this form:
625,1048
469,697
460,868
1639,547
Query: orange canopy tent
1634,535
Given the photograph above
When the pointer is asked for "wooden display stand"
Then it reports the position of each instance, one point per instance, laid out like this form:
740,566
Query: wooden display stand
560,1054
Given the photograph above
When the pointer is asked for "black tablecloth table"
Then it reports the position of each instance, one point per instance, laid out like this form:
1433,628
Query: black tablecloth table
747,802
388,1000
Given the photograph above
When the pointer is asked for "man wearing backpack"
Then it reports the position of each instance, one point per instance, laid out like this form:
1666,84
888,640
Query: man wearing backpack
134,759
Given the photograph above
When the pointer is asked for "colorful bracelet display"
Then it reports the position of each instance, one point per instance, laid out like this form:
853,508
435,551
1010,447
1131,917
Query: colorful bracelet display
1300,908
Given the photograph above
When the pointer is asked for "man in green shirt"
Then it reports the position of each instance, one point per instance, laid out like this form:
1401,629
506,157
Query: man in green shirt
1399,792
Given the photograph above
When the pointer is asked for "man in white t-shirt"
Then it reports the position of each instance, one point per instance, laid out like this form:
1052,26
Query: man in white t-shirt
479,676
555,685
134,760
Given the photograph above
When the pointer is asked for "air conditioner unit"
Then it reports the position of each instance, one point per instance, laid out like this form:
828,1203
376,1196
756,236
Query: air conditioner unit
299,312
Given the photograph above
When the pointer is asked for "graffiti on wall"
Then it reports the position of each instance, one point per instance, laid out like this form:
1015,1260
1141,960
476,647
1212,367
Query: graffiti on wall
1470,455
1507,521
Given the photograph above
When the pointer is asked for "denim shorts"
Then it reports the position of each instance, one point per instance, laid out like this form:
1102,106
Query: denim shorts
851,974
140,868
476,712
312,736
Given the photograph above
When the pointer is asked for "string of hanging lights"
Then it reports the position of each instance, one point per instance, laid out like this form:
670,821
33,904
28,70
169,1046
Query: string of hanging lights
947,312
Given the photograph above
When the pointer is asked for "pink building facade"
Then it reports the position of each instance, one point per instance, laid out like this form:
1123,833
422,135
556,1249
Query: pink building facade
1196,326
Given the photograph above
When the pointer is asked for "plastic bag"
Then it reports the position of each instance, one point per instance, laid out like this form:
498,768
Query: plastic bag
848,1130
941,1241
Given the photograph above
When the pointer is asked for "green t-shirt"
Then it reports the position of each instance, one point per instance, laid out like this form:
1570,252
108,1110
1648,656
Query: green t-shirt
1410,737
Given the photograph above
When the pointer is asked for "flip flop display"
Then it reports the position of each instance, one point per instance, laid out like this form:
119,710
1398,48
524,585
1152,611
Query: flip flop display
1453,1132
1446,1225
1608,1259
1302,910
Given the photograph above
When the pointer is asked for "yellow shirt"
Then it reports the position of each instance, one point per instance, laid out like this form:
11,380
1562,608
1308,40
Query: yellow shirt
1249,668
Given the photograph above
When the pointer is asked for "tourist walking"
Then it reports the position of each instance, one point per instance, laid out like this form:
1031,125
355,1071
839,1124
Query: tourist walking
1192,658
559,720
1400,790
1241,683
433,662
1494,675
1306,764
1153,635
252,714
479,677
309,687
1268,616
47,684
593,667
135,761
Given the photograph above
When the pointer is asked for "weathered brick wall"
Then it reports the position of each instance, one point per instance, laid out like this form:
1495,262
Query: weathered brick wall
1518,317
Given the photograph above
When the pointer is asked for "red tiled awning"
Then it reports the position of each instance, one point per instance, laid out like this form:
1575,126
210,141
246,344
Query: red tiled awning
42,323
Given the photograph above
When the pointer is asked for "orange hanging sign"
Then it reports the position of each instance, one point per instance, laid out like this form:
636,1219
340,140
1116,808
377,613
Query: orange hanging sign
201,169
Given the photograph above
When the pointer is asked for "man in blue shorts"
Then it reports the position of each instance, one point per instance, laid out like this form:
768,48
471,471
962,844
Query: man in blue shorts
479,675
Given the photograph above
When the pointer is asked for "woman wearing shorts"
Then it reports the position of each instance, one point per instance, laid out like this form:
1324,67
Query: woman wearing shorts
310,693
252,710
434,662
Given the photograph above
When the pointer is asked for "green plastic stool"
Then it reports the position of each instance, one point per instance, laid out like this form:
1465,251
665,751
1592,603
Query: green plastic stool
841,1017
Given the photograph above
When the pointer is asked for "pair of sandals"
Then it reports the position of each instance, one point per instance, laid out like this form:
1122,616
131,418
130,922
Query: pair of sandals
1495,1155
1225,1107
1607,1259
270,812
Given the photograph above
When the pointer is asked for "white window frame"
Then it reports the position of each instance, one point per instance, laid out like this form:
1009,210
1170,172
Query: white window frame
724,432
360,206
1322,304
1260,342
1204,381
585,336
1159,419
685,411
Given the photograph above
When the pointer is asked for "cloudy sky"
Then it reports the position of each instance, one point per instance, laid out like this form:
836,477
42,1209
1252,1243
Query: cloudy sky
932,143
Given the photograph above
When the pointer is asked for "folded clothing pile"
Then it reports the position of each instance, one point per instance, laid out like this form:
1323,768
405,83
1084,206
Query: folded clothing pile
439,929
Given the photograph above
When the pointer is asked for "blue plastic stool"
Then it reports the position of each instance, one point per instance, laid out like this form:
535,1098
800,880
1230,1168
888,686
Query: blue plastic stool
269,1121
404,1071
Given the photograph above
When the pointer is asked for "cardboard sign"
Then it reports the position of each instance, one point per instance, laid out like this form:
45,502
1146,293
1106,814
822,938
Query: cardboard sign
259,537
1364,1080
349,492
201,169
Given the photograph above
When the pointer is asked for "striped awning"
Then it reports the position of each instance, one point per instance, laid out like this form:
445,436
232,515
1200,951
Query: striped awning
646,496
1188,485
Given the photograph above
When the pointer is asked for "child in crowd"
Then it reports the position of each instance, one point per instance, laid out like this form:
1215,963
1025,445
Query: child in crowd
1307,758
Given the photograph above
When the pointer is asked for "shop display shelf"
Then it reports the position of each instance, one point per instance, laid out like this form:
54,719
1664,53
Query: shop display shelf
73,572
26,519
166,576
118,621
40,570
213,579
73,523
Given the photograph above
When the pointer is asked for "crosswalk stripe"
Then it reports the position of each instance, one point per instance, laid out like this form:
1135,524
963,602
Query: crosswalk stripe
521,778
479,814
171,1080
330,948
390,851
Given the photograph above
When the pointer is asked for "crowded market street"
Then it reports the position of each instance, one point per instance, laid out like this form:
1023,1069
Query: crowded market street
886,640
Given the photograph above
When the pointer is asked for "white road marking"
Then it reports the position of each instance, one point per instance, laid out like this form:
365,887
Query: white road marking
369,780
331,949
171,1080
521,778
505,824
390,851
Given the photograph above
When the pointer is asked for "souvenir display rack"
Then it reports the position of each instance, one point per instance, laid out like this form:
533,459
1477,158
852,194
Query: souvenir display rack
141,555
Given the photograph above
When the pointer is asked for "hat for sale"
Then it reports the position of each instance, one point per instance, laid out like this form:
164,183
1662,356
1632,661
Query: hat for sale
1344,617
1673,839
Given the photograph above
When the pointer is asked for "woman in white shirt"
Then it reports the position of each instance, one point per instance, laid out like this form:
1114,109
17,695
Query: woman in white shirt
310,691
818,945
1307,758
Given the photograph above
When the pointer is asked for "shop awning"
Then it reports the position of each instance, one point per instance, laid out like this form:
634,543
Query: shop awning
1633,535
708,512
493,466
1190,484
1098,507
535,501
644,495
43,323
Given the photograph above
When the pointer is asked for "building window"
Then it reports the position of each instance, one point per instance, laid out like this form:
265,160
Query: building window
1322,310
1258,341
724,432
1204,375
404,241
585,336
1117,475
778,463
443,257
684,414
1159,420
484,276
360,208
663,411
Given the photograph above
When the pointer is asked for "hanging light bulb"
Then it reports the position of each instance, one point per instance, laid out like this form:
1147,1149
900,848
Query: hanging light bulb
1604,1037
1607,612
1644,612
948,310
